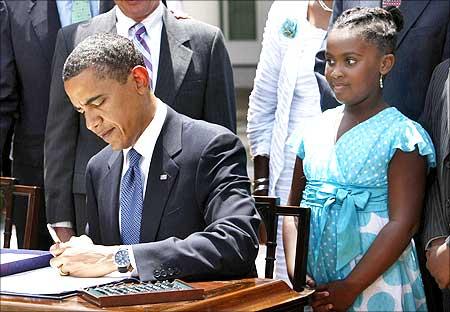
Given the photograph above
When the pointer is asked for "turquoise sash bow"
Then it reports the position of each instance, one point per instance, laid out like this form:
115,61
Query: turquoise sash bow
349,200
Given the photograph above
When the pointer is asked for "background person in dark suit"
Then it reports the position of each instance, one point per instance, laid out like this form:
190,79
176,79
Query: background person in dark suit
193,76
436,229
197,218
423,43
27,40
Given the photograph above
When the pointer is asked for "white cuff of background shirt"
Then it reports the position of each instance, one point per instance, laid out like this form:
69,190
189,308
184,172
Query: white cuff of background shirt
64,224
428,246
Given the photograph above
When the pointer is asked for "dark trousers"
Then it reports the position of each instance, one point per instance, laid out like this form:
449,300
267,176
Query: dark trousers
30,175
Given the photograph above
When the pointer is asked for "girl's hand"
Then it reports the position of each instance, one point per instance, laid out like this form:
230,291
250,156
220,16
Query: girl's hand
334,296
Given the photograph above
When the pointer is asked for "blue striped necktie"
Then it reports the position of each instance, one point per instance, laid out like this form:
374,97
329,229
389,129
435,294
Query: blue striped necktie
131,200
140,39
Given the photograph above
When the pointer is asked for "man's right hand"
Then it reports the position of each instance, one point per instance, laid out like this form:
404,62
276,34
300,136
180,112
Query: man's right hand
64,233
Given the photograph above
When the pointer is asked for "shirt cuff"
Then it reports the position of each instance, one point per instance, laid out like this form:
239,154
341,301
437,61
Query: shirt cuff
65,224
134,273
428,245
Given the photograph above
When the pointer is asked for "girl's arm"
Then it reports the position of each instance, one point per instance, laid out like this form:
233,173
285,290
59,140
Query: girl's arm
289,223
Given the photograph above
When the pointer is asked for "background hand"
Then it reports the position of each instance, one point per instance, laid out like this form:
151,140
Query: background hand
64,233
438,259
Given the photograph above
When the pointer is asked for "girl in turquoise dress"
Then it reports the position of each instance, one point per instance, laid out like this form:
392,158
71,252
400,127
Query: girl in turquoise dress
362,170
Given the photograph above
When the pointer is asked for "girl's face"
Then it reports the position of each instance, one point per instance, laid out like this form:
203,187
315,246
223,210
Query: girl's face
353,67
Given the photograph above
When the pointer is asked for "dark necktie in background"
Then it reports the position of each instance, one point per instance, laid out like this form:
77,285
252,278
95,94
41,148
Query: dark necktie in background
131,200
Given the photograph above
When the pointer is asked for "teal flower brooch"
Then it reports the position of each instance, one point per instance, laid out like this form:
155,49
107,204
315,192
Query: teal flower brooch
289,28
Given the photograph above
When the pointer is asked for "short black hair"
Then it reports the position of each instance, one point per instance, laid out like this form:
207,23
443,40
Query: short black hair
110,55
376,25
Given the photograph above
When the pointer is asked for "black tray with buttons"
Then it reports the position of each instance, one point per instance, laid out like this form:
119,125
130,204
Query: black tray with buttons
133,292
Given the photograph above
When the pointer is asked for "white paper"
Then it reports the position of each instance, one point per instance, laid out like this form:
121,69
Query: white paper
47,281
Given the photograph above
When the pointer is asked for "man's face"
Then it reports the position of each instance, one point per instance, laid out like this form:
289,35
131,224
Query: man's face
137,9
352,68
113,111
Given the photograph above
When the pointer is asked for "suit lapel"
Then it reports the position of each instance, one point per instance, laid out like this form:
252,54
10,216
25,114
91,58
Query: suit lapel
109,199
102,23
173,68
161,177
45,20
411,10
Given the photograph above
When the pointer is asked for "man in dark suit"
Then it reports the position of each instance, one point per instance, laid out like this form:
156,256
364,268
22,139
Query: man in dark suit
423,43
27,39
436,230
196,220
194,77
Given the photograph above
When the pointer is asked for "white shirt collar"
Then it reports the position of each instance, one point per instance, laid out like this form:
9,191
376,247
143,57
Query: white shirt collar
145,144
125,23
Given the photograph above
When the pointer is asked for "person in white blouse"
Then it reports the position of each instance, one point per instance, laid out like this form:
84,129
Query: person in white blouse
284,97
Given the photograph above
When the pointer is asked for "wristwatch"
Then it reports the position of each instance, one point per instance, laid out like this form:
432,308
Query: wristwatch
122,260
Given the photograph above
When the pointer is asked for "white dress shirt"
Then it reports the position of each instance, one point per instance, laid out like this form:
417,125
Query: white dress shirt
153,25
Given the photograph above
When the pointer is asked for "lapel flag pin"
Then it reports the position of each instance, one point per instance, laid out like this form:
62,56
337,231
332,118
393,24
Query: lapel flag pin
163,177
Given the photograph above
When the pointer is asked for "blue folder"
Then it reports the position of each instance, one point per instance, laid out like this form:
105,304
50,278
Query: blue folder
40,260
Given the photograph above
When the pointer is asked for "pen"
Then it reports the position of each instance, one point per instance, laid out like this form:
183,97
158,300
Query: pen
53,234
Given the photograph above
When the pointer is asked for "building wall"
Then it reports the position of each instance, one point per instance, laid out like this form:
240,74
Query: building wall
244,54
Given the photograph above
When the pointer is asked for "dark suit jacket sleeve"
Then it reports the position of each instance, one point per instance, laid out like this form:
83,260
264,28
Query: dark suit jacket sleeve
437,213
228,245
446,53
60,142
327,99
9,95
220,102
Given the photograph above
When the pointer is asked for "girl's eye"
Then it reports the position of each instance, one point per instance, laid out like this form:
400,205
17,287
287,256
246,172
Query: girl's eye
330,62
351,61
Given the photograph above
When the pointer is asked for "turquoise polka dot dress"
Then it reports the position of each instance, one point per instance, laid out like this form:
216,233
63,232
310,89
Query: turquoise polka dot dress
347,193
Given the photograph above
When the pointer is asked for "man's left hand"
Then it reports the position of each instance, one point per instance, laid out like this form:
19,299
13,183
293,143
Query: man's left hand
81,258
438,263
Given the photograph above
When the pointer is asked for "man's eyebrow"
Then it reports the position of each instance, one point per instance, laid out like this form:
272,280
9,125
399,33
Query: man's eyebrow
92,99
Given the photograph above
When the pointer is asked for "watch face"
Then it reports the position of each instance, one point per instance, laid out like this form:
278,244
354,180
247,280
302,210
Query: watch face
121,258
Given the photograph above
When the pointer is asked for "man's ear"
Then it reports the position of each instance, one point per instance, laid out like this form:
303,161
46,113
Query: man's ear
387,62
141,78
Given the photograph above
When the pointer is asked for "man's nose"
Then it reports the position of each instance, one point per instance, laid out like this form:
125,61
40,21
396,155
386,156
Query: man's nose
93,119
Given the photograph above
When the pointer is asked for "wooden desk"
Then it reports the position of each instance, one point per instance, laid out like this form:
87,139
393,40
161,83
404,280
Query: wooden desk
251,294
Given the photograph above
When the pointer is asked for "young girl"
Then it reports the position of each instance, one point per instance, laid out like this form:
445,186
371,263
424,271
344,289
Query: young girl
362,172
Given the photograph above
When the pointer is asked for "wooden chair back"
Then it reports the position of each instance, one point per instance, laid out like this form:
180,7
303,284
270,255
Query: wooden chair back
10,189
269,208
